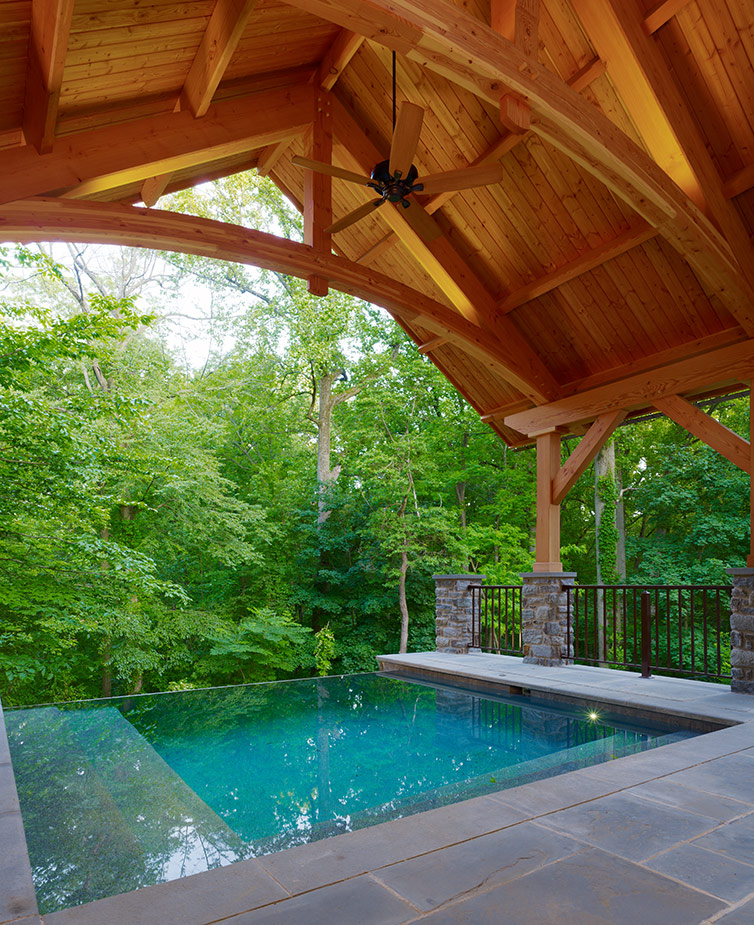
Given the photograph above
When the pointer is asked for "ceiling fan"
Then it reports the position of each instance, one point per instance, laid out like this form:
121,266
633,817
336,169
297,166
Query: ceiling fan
397,179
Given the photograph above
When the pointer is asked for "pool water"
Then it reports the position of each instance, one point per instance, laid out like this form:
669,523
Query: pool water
122,793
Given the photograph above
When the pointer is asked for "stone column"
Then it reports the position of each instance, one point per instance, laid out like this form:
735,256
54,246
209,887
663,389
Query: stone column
453,612
742,630
544,618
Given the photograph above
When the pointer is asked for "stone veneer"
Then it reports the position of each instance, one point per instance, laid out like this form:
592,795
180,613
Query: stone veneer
742,630
544,618
453,612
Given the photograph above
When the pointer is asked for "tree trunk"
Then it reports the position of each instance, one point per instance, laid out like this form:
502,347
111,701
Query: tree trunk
402,603
620,525
325,475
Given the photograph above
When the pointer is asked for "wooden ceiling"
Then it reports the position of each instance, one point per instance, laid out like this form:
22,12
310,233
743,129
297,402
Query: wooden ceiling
610,268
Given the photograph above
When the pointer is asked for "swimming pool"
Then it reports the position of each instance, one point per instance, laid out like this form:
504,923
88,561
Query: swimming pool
122,793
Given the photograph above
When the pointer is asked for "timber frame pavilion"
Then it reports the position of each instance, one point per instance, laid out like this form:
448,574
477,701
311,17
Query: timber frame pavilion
610,271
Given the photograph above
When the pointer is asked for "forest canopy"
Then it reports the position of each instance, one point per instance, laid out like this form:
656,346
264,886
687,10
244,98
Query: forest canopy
210,476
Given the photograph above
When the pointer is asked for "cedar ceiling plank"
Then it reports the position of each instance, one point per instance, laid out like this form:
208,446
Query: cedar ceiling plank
445,265
587,261
724,366
113,156
445,39
652,97
48,42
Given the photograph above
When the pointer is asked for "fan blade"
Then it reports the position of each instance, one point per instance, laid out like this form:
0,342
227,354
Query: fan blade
354,216
408,127
331,171
422,222
465,178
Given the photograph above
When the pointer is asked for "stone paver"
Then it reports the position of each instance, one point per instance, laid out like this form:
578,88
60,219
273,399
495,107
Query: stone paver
744,915
704,870
17,897
434,879
724,777
735,839
669,792
591,888
628,826
360,900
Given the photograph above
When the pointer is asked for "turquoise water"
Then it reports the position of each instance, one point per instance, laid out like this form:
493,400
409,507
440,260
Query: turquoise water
123,793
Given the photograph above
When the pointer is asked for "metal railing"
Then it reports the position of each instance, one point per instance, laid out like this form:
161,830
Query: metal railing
496,618
666,629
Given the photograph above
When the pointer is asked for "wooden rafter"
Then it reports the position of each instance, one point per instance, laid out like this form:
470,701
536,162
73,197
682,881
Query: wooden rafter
623,242
719,367
430,345
444,38
223,33
107,158
336,59
43,219
707,429
48,43
447,267
662,13
739,182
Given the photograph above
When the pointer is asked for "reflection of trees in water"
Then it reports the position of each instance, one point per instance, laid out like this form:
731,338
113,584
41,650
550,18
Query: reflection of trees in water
99,825
267,767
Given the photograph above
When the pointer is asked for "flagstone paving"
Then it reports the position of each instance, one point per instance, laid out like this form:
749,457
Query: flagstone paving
664,836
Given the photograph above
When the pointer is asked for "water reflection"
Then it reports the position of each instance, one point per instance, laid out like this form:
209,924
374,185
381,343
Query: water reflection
121,794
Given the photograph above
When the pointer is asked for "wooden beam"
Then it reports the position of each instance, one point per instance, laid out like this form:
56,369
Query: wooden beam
113,156
444,38
221,37
727,365
48,44
589,445
318,190
269,157
740,182
707,429
449,270
547,541
652,98
662,13
587,75
45,219
623,242
515,114
336,58
527,27
153,188
433,344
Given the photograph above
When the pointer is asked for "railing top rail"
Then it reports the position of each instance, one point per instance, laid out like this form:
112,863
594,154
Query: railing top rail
580,587
498,587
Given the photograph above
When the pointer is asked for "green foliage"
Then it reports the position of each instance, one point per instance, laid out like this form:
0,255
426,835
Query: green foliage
324,650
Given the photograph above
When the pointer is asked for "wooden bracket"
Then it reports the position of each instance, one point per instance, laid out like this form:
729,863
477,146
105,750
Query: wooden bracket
515,113
706,429
589,445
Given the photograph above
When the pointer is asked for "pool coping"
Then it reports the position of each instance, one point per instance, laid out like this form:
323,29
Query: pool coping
274,886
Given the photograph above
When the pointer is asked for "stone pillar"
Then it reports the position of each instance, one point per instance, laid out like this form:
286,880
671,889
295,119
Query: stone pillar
742,630
544,618
453,611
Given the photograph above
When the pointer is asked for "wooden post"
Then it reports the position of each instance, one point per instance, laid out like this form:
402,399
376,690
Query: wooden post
318,190
548,514
750,557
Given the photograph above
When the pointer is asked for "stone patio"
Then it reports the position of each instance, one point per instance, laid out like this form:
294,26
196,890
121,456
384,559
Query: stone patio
664,836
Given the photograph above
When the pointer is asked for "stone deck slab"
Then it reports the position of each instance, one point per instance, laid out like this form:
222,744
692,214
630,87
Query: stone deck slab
618,842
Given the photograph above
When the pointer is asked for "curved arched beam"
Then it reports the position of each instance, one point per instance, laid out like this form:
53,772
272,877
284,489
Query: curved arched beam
44,219
444,38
